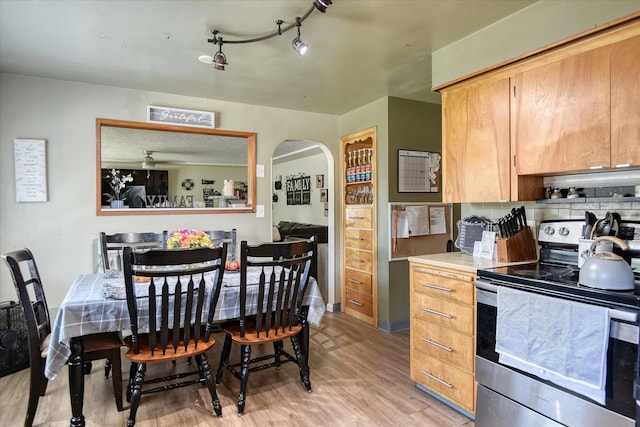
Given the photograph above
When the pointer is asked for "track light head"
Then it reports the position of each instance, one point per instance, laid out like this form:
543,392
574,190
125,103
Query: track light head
299,46
322,5
219,59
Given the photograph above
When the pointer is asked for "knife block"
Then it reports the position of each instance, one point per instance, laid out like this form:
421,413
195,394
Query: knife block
519,247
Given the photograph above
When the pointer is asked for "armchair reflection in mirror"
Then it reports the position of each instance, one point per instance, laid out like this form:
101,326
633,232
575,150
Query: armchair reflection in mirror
160,158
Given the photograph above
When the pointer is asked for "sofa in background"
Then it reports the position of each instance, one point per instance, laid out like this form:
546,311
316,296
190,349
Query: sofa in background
286,230
305,231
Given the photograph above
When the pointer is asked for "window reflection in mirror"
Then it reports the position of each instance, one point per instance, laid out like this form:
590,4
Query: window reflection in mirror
174,169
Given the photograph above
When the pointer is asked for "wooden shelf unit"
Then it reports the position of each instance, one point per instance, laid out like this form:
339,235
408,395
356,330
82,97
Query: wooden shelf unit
359,273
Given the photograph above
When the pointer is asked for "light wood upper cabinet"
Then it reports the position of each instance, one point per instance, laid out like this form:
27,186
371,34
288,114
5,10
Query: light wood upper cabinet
476,164
569,108
625,103
561,115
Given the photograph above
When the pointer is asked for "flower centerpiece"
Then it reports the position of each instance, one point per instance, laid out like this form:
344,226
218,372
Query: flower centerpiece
185,239
117,181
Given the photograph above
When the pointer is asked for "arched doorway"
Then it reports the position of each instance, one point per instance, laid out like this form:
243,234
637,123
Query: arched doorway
295,158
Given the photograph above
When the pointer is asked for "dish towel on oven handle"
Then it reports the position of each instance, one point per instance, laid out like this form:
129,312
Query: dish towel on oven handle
558,340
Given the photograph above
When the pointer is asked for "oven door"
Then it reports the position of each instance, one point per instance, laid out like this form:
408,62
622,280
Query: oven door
508,396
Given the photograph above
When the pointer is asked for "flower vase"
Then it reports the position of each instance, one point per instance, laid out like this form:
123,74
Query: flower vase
117,204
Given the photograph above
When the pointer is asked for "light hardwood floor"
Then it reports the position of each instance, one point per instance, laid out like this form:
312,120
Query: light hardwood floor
360,377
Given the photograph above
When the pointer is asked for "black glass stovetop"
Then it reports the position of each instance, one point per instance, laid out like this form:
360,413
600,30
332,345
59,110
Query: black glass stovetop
561,281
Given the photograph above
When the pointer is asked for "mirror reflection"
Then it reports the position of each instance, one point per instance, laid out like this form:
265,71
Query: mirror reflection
146,168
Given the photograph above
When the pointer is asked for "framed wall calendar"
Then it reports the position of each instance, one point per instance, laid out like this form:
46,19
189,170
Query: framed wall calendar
418,171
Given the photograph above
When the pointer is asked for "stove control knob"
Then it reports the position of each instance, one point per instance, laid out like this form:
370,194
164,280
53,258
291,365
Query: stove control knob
564,231
549,230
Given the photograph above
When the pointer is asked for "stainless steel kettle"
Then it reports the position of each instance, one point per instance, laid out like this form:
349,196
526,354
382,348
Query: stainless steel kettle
606,270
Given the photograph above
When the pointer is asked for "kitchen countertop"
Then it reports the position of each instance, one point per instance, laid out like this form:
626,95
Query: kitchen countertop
459,261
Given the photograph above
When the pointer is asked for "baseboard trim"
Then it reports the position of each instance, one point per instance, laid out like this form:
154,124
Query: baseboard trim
333,308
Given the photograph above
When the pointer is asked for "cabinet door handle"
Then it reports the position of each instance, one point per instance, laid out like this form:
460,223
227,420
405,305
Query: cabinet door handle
438,313
438,288
596,167
355,238
356,281
356,259
435,344
356,217
359,304
433,377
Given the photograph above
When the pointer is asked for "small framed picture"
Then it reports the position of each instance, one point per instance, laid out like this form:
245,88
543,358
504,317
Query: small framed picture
324,195
319,181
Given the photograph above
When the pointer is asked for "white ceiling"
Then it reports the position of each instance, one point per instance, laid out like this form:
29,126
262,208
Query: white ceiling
359,50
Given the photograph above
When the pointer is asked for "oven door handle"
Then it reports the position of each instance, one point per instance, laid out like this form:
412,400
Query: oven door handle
486,286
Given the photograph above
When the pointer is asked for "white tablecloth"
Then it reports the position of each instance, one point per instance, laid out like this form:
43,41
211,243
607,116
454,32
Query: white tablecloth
85,310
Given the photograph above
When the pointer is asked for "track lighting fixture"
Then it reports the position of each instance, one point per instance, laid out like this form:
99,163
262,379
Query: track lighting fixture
220,60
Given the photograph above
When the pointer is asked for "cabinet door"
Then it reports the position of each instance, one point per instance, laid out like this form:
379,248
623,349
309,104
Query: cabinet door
561,120
476,156
625,103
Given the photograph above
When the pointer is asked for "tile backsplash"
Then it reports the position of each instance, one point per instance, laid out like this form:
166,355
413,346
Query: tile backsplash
541,211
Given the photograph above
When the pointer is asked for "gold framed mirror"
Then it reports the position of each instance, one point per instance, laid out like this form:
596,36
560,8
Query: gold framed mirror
174,169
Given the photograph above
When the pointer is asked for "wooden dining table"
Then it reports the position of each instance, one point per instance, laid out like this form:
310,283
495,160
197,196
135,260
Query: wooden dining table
96,303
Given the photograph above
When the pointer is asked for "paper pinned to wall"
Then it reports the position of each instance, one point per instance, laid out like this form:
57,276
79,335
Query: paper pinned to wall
402,230
418,219
437,220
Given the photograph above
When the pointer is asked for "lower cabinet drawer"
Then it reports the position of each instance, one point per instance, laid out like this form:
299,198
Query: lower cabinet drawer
443,284
452,383
357,280
444,344
358,259
444,312
359,301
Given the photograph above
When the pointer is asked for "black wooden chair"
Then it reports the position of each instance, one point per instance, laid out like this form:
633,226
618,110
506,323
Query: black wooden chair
114,244
111,247
29,288
222,236
176,311
283,277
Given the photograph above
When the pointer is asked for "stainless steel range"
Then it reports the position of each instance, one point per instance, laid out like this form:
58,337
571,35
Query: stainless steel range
527,394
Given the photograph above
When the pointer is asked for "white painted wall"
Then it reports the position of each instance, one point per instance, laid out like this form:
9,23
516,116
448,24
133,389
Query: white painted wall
308,166
60,232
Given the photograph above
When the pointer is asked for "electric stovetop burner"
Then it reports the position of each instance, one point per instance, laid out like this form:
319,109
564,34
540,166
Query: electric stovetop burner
560,281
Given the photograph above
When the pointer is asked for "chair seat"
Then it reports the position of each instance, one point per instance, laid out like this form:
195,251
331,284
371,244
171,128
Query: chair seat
99,342
251,336
144,355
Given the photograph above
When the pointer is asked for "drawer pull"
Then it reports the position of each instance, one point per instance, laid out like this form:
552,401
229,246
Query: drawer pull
438,313
438,288
356,260
433,377
355,238
357,217
435,344
359,304
446,274
356,281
